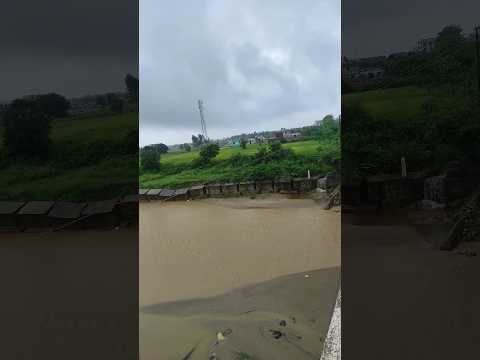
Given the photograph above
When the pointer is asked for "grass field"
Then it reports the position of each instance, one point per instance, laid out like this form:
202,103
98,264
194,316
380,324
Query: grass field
300,147
392,104
221,170
107,177
105,127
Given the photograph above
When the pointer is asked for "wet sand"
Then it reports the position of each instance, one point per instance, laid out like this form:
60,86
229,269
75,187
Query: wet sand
403,299
69,295
196,277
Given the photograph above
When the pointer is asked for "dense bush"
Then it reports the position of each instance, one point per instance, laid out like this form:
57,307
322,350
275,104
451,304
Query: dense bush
150,158
27,130
208,152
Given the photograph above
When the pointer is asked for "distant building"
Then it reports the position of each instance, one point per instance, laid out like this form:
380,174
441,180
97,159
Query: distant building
258,139
94,103
85,104
234,142
425,45
275,138
356,73
292,135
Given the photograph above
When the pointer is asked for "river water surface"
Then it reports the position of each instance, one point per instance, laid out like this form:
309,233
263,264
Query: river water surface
206,247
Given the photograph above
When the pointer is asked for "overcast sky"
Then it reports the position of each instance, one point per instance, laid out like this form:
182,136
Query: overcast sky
72,48
257,65
382,27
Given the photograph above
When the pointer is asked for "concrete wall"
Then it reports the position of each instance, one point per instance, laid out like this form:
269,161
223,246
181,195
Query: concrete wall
52,214
283,186
246,188
231,189
264,187
214,190
385,190
304,184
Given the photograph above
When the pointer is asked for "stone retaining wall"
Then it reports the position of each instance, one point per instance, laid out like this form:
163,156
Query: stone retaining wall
25,215
298,185
387,190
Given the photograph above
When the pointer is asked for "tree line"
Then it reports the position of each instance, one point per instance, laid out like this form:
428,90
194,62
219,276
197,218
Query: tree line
27,123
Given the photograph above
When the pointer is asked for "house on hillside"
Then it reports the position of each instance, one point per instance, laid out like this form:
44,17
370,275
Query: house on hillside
425,45
365,74
276,138
234,142
292,135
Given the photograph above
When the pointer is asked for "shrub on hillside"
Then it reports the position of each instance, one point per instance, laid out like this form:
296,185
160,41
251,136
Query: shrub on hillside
274,152
130,141
208,152
238,160
150,158
27,130
53,105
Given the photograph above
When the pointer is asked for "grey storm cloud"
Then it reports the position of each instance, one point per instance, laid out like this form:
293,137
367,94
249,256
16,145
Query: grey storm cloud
257,65
70,47
379,27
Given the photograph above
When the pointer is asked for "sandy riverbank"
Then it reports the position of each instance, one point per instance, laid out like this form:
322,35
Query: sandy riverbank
198,261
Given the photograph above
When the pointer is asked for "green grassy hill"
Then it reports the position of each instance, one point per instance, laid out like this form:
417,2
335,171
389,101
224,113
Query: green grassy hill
175,169
88,161
301,147
102,127
393,104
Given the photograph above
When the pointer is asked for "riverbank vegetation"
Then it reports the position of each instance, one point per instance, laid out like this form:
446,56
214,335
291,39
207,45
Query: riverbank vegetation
90,158
50,153
319,155
433,120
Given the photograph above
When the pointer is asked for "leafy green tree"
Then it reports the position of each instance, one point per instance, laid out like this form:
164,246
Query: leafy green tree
131,83
449,61
243,143
130,142
161,148
187,147
195,141
53,105
27,130
275,148
150,158
100,100
208,152
115,104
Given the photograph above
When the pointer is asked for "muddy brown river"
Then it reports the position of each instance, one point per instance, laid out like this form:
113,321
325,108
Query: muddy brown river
204,248
239,264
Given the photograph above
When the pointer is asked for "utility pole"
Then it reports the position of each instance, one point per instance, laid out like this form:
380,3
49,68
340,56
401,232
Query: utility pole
477,48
